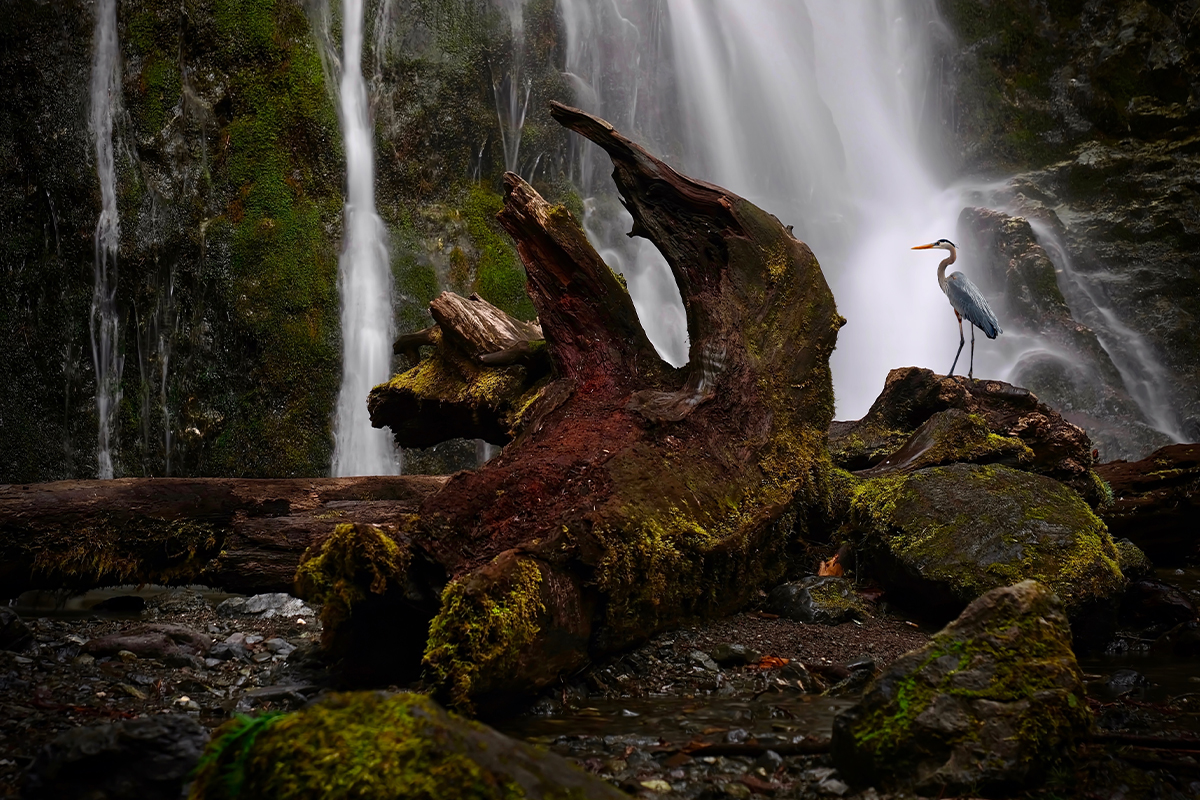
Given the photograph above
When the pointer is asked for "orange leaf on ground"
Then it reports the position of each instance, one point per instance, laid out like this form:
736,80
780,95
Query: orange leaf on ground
772,662
832,567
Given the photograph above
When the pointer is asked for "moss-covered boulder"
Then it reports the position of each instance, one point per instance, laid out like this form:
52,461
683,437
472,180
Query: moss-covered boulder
376,746
1003,424
941,537
953,437
990,705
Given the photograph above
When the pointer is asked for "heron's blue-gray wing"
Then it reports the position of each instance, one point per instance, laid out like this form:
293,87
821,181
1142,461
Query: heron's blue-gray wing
967,300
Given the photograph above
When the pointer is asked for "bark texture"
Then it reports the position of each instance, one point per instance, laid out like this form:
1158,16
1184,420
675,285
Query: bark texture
635,494
245,535
484,362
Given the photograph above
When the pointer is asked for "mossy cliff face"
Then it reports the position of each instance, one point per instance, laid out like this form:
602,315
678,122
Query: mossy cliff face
941,537
228,184
991,705
375,746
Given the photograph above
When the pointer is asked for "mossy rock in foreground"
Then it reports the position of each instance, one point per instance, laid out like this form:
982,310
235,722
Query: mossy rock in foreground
376,746
943,536
990,705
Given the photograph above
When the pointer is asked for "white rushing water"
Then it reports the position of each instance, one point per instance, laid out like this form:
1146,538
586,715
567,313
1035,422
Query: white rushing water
812,110
364,276
104,322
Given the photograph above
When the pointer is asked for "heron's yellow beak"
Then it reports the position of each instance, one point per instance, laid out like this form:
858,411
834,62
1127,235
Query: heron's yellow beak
923,247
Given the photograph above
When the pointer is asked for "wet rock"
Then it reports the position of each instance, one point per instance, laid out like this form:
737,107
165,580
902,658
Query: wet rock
174,645
14,633
1156,502
141,759
1135,565
1152,604
1122,683
992,703
825,600
734,655
953,437
912,396
700,658
428,752
1182,640
265,606
941,537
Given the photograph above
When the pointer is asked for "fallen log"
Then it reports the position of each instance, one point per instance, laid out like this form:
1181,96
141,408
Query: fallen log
244,535
635,494
1156,502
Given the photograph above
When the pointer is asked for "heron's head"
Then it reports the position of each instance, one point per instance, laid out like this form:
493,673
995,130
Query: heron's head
940,244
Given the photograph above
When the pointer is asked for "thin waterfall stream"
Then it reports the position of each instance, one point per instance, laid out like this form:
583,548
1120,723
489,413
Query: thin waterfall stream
364,276
104,322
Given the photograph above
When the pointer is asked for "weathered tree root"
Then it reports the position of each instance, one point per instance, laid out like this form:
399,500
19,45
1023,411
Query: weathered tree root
635,494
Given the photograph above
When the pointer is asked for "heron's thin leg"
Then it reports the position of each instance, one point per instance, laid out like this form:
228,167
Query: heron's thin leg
961,341
971,369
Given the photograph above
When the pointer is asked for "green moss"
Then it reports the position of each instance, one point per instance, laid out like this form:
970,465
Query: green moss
1027,657
105,550
340,571
972,528
368,746
499,277
482,629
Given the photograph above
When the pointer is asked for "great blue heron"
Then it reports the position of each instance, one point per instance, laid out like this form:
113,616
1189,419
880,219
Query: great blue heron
966,300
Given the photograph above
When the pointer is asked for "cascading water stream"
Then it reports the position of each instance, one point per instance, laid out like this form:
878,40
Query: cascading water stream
511,90
1145,378
810,111
104,322
364,277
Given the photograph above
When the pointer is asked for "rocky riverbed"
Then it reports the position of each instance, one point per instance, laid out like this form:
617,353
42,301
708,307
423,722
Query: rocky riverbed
739,707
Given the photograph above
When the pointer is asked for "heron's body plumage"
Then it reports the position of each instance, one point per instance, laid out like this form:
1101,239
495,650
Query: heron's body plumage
966,300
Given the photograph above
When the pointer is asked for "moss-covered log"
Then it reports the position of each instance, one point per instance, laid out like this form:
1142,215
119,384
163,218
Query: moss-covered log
484,368
636,494
245,535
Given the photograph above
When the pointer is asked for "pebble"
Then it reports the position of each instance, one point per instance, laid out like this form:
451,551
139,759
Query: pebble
702,659
657,785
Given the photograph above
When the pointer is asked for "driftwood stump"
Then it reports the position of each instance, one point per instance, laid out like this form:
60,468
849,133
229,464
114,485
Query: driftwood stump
635,494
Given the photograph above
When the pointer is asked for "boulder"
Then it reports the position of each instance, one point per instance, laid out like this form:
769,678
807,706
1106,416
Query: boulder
940,537
826,600
991,704
376,746
265,606
148,758
1135,564
899,433
1156,502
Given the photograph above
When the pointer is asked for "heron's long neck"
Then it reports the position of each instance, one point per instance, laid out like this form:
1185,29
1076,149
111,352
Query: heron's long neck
942,268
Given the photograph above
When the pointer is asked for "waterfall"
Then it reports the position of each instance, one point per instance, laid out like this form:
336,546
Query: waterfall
1144,376
364,275
810,110
511,89
104,323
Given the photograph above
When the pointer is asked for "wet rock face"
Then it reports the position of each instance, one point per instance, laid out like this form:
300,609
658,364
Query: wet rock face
941,537
1095,105
335,746
891,437
1073,373
992,703
14,633
142,759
